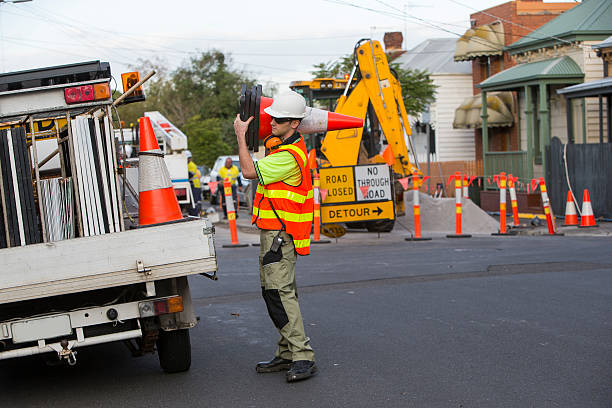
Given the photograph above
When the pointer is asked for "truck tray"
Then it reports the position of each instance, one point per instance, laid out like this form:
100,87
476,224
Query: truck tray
82,264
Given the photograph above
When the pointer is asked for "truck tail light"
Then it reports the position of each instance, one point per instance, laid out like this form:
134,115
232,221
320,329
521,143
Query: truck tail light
101,91
86,93
158,307
180,192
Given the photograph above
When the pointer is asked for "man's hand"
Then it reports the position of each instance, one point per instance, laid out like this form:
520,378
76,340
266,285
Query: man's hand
241,127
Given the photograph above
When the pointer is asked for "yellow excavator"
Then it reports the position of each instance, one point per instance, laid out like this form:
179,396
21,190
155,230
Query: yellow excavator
359,186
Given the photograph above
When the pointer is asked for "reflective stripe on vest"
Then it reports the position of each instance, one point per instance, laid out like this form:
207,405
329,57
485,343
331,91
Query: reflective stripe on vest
293,204
291,195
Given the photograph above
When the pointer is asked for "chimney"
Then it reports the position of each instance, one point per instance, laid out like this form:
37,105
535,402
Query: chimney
393,41
393,44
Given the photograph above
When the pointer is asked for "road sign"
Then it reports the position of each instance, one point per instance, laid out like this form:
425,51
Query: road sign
339,183
373,182
363,211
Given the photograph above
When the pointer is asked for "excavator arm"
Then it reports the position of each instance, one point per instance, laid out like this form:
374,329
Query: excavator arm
378,87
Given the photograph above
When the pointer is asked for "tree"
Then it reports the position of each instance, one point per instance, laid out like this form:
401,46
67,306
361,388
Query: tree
200,97
332,69
418,89
206,139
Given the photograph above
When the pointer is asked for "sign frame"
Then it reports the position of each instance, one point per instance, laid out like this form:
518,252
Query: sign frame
360,203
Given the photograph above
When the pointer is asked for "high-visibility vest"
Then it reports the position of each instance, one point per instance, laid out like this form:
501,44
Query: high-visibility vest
232,173
293,205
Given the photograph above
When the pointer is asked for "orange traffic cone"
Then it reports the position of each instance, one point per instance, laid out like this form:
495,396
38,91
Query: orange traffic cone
157,200
588,218
571,217
231,215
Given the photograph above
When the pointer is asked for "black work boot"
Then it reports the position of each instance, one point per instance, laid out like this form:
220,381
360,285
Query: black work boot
272,366
301,370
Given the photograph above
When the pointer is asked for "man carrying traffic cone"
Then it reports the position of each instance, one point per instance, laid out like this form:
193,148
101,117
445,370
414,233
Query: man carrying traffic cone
157,201
283,211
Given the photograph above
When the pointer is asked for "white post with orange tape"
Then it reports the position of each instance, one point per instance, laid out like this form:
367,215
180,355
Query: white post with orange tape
416,205
502,205
231,215
513,200
552,230
458,210
466,183
316,199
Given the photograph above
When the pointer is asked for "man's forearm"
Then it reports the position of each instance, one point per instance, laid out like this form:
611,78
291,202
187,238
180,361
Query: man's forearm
246,162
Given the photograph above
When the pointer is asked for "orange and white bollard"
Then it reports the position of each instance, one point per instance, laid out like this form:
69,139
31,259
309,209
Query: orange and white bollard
316,199
416,205
588,218
552,230
466,183
458,211
513,201
502,205
231,215
571,216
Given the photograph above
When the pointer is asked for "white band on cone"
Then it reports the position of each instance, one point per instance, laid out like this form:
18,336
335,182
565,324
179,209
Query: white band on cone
315,121
148,168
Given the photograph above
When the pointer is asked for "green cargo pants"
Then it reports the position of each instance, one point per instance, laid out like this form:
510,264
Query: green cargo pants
280,294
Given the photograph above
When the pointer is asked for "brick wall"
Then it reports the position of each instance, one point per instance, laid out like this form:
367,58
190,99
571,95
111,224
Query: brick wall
530,18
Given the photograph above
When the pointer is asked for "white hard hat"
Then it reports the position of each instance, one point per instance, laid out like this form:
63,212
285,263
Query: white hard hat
287,105
188,154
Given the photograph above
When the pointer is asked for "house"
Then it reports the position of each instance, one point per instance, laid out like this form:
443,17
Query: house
484,45
453,81
559,54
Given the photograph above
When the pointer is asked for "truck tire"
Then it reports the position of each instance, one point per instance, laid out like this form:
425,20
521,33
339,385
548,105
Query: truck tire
381,226
174,350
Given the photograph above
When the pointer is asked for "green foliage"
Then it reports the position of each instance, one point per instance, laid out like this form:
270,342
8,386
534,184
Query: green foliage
418,89
331,69
200,97
207,139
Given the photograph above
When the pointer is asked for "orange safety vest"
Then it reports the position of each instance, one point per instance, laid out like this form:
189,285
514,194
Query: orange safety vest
293,205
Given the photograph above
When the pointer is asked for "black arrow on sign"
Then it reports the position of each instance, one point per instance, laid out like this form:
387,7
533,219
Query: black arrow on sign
378,210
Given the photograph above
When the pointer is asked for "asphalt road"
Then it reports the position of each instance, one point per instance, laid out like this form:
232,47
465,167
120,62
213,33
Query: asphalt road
484,322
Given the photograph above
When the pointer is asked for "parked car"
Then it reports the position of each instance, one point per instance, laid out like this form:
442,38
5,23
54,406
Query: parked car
212,176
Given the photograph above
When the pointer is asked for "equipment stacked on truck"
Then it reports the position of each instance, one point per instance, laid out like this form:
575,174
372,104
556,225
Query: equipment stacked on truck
71,274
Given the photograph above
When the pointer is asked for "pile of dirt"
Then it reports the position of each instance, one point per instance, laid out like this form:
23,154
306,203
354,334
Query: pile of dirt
438,215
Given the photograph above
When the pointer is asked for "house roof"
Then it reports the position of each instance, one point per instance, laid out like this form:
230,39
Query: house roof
589,20
592,88
562,68
607,43
435,56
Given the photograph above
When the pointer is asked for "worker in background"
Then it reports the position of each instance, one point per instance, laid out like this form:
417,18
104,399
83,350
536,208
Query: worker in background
231,171
282,211
196,188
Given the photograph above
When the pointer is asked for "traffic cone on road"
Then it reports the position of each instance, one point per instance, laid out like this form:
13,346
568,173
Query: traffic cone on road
156,197
571,217
588,218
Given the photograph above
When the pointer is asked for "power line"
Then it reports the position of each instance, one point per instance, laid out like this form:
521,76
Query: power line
513,23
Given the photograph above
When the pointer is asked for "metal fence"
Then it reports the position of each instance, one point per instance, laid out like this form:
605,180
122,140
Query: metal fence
589,166
514,163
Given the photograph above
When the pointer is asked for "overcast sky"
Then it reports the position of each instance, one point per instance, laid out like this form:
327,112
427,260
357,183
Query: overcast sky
273,40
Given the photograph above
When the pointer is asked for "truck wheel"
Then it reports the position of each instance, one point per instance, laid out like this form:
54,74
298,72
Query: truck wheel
213,199
381,226
174,350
